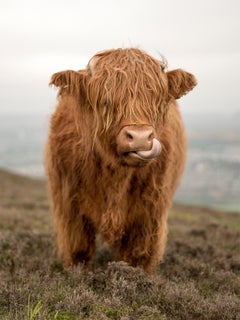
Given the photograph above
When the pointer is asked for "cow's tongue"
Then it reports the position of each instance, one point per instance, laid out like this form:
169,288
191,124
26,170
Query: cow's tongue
153,153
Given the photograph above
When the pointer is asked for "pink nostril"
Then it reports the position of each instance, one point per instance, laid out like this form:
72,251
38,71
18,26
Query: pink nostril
129,136
151,136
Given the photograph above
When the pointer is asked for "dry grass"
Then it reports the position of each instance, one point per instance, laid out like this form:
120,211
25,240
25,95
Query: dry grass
199,278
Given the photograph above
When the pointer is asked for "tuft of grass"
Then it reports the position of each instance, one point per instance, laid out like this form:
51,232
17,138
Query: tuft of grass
33,310
64,316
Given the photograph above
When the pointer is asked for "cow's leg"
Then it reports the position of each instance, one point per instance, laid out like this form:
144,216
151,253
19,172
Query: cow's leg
75,239
143,243
75,234
79,242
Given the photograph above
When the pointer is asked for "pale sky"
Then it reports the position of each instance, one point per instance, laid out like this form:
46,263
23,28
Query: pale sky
39,38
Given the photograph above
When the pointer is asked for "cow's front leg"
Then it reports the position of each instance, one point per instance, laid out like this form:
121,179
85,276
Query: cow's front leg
75,234
79,242
143,243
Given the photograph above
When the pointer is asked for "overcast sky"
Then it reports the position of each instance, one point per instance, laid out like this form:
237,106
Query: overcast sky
39,38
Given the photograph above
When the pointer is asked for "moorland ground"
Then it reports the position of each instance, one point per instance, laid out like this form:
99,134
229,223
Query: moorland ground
199,278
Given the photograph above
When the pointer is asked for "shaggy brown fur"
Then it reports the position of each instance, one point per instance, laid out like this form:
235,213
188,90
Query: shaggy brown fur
93,188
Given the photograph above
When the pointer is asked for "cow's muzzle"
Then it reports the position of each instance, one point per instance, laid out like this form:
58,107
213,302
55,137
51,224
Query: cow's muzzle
138,142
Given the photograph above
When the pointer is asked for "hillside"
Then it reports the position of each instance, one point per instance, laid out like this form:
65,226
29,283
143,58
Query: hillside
199,278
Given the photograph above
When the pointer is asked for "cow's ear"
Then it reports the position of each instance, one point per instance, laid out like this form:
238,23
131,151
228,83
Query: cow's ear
180,83
68,81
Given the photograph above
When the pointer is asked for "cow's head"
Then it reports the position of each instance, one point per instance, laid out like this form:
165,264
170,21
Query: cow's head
128,94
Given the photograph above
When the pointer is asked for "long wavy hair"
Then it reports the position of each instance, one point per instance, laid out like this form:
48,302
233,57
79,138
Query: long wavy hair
126,84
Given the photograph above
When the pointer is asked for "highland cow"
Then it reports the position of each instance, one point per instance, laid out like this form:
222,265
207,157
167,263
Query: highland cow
115,154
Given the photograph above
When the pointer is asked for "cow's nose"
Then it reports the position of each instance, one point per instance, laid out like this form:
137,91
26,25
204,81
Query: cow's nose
137,139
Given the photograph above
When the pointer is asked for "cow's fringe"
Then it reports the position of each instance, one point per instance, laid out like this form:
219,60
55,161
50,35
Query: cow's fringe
126,84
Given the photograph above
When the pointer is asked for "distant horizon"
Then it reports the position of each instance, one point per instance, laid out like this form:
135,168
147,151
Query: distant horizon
204,123
212,171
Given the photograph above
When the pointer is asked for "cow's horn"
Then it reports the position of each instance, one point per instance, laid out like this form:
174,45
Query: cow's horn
92,64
